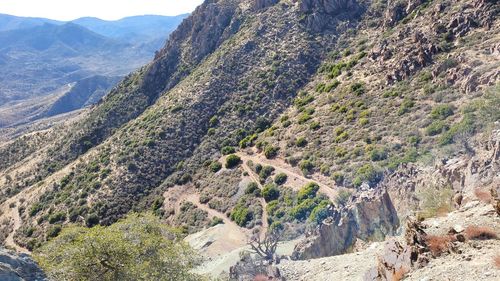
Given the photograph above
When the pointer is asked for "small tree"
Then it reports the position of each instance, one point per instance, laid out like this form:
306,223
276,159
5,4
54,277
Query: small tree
232,161
266,248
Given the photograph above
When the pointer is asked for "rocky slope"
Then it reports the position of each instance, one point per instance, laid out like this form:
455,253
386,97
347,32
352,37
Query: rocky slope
15,267
334,119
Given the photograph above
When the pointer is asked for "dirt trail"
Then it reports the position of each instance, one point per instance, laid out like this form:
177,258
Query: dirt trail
265,224
9,241
296,181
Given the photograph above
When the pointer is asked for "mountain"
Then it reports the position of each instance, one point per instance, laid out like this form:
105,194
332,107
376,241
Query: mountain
8,22
329,122
135,29
40,57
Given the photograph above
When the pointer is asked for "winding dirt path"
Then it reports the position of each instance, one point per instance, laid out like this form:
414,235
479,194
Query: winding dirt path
9,241
295,180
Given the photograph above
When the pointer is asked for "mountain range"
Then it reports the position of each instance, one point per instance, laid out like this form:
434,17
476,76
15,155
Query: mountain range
39,56
363,129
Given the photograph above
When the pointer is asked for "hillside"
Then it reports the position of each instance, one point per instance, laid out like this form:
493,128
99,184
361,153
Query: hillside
330,121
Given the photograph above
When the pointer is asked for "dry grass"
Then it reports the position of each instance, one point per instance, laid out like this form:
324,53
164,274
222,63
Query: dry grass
399,274
496,261
483,196
480,233
439,244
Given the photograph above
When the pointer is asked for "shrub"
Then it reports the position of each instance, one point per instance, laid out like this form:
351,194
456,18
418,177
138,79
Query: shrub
436,128
215,166
406,106
480,233
265,172
57,217
320,212
91,220
338,177
303,210
241,215
270,192
441,112
434,202
301,142
438,244
227,150
306,166
367,173
252,188
314,125
343,197
308,191
215,221
332,86
378,154
213,121
304,117
358,88
232,161
302,100
137,248
248,141
270,151
261,124
483,196
280,178
53,231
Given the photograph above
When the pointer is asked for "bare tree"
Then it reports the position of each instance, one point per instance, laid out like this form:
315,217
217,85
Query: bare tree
266,248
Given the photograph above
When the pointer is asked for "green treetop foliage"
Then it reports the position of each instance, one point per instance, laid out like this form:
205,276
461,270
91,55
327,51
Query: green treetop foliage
139,247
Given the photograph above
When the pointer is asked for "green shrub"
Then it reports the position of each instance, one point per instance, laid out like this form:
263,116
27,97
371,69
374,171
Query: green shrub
338,177
241,215
280,178
53,231
304,117
253,188
314,125
91,220
248,141
232,161
270,151
213,121
436,128
320,212
270,192
301,142
227,150
367,173
343,197
332,86
406,106
265,172
57,217
302,100
306,166
358,88
215,166
378,154
303,209
308,191
442,111
215,221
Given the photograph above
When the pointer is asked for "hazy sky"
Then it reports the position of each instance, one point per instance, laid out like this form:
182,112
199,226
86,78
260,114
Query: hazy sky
104,9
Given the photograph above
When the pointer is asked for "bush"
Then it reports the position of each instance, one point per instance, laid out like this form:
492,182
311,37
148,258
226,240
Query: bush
301,142
265,172
53,231
308,191
270,151
406,106
303,209
227,150
358,89
270,192
436,128
215,221
215,166
320,212
253,188
434,202
480,233
338,177
280,178
367,173
441,112
306,166
57,217
241,215
91,220
343,197
232,161
140,247
438,244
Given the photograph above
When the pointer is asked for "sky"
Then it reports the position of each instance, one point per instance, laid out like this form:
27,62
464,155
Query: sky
103,9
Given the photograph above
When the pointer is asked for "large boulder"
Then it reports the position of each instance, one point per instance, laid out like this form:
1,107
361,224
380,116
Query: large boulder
19,267
369,217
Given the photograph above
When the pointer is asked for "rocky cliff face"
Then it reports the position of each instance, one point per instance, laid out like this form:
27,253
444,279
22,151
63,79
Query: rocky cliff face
14,267
369,217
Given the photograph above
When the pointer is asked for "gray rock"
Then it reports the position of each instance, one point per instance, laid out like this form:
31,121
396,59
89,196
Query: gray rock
19,267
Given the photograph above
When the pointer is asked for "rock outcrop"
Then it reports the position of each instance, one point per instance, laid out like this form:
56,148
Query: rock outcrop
21,267
318,13
370,217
